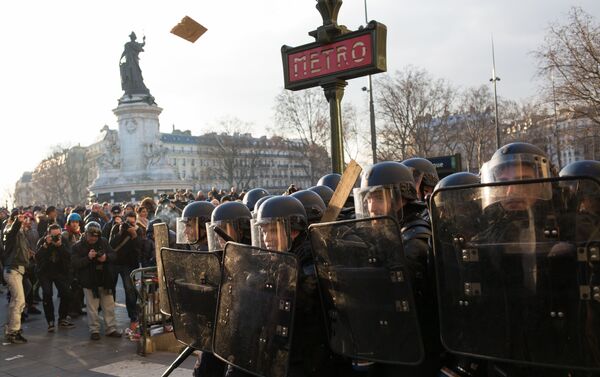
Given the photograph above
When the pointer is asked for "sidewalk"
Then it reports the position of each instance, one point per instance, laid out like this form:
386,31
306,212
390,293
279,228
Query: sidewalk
70,352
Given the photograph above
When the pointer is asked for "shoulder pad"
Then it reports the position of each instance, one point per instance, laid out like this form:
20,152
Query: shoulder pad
416,229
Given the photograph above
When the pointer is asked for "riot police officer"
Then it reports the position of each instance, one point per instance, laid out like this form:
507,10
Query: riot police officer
424,174
388,189
281,225
191,227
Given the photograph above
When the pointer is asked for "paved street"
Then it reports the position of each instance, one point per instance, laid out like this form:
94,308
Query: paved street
70,352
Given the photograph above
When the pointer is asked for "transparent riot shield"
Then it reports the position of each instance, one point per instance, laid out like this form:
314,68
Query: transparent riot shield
366,290
192,282
161,240
518,271
255,309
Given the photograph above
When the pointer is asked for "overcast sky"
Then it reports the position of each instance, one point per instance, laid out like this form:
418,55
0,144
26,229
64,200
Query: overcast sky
59,74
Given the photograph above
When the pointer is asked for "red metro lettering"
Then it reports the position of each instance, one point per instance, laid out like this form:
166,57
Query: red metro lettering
335,57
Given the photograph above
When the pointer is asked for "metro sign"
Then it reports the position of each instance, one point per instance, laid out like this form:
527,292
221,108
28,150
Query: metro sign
350,55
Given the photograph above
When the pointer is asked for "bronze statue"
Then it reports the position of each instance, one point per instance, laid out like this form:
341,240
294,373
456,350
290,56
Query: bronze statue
132,81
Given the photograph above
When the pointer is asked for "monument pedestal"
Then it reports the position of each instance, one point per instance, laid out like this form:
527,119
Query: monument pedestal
135,165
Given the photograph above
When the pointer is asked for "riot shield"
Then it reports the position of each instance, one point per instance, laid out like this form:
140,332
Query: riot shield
192,281
161,240
366,290
255,309
518,268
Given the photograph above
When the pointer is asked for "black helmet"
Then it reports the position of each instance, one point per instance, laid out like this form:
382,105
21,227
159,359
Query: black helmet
313,204
275,220
200,209
330,180
324,192
458,179
232,218
390,173
517,156
260,201
583,168
191,225
382,187
423,171
252,197
462,178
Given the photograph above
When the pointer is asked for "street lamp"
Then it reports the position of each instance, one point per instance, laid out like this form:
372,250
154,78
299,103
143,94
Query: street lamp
371,106
495,79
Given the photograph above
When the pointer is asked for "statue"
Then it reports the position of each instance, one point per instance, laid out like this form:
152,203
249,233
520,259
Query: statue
132,81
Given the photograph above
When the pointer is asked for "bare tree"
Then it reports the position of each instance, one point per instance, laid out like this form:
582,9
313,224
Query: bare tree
62,178
476,126
411,103
305,114
236,158
569,61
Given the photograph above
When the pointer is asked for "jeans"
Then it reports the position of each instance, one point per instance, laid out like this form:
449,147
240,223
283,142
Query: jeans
130,292
14,279
107,303
64,293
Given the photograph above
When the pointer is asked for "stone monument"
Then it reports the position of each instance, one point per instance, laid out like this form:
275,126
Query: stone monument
134,165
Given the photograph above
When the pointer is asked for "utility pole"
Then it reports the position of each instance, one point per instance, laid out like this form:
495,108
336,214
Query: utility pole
494,80
371,108
556,130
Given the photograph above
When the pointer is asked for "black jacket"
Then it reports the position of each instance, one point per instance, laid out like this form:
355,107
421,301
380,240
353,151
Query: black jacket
52,260
91,273
128,250
16,249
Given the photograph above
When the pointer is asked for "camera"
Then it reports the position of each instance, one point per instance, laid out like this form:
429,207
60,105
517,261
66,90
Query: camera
55,237
99,253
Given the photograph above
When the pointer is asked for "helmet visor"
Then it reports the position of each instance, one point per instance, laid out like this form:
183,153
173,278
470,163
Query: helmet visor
187,230
220,232
271,234
378,201
515,167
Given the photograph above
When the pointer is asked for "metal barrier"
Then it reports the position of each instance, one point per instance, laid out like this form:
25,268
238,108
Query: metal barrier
145,280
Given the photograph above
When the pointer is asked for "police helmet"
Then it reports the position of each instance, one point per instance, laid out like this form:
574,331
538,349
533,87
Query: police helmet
190,227
423,171
330,180
313,204
462,178
232,218
275,220
516,161
252,197
325,192
583,168
259,202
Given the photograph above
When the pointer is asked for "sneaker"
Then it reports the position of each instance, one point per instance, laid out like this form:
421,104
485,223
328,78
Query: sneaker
51,326
114,334
133,325
95,336
15,338
65,324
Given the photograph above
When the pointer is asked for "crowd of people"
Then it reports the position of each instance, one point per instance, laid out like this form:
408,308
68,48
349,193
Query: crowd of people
82,251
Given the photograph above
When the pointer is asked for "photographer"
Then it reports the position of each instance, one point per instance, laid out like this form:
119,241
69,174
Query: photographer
116,218
92,261
53,267
127,239
16,262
